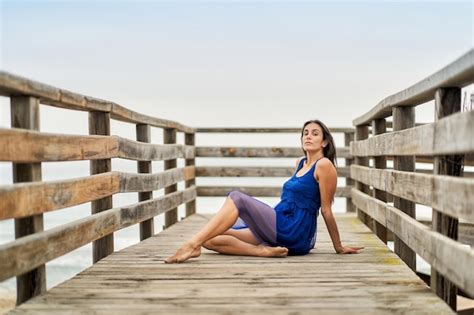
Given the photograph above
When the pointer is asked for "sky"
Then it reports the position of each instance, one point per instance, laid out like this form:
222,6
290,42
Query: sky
233,63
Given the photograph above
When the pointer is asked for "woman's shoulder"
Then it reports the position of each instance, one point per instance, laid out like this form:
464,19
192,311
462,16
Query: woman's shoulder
324,165
298,160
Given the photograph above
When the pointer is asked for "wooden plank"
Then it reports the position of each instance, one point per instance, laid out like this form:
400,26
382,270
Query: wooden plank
121,113
257,191
261,152
413,141
11,85
254,171
22,146
99,124
447,102
403,118
147,226
379,127
24,112
457,74
465,231
450,258
190,206
265,130
34,250
25,199
139,151
426,189
171,217
135,281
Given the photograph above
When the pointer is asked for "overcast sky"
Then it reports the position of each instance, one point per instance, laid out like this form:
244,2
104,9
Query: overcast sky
233,63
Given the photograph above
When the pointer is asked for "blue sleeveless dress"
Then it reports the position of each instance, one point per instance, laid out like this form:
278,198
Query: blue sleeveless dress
297,212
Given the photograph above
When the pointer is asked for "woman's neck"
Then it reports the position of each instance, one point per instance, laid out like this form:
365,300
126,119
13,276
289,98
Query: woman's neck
313,157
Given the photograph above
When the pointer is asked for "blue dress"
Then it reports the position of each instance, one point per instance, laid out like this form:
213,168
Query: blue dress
297,212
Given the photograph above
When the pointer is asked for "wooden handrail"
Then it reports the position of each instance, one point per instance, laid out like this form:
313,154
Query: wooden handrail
11,84
459,73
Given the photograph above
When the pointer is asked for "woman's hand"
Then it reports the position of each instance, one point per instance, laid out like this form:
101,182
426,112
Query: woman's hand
349,250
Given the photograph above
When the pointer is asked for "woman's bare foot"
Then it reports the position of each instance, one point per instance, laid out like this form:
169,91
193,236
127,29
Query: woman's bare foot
188,250
278,251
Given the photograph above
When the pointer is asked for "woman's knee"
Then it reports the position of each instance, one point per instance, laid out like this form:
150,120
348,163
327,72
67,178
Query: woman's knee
238,198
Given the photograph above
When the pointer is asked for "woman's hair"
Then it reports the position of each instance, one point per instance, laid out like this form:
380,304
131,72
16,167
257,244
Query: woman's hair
329,150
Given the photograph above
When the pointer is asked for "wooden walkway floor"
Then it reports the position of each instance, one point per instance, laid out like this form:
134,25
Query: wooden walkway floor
135,280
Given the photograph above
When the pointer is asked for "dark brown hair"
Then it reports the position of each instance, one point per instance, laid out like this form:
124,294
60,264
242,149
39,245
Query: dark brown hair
329,150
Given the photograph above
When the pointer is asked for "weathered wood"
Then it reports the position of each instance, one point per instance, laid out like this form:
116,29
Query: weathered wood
121,113
171,217
447,102
465,231
373,282
147,226
263,152
26,199
11,85
25,114
430,139
379,127
34,250
426,189
257,191
99,124
457,74
362,132
30,146
189,139
403,118
348,138
254,171
23,146
266,130
450,258
133,150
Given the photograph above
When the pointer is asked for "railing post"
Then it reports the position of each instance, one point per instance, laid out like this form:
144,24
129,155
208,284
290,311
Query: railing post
403,118
379,126
348,137
99,124
169,137
147,226
362,133
189,139
25,115
447,102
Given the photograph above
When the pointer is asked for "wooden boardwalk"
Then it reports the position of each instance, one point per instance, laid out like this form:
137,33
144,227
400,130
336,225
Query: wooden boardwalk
135,280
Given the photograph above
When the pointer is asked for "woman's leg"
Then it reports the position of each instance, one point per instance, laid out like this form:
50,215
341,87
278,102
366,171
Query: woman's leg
231,245
221,222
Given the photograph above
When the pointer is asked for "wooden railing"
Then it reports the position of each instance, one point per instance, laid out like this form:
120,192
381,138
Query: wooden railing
446,143
343,191
29,197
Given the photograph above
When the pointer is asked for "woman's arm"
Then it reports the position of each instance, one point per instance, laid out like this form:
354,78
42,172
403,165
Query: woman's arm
326,175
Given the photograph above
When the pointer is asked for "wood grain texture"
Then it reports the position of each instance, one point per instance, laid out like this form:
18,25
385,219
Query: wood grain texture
379,126
169,137
24,199
430,139
257,191
459,73
12,85
265,130
135,280
263,152
255,171
449,257
189,139
426,189
34,250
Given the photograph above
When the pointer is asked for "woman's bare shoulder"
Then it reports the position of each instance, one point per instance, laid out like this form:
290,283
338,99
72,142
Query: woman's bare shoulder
325,166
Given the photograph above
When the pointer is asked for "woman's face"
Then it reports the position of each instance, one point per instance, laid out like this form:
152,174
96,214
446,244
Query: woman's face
312,139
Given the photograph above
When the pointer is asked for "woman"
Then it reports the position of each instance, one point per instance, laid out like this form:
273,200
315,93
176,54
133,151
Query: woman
290,227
